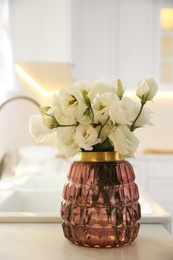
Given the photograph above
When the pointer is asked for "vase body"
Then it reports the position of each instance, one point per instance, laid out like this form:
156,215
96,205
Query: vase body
100,206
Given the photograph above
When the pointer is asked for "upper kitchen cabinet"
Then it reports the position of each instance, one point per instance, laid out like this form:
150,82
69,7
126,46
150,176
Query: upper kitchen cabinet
94,38
119,39
41,30
164,46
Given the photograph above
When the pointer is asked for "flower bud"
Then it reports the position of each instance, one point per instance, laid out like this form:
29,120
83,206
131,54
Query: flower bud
147,89
119,90
44,110
86,99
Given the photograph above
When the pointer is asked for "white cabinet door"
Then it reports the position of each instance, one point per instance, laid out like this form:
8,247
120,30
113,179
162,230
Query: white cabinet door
113,39
135,47
160,181
94,39
141,172
154,174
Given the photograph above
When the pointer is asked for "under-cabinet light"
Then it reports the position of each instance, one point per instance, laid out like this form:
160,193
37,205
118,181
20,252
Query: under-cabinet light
32,82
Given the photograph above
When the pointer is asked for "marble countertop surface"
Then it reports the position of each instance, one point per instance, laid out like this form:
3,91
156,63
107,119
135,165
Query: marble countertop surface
23,241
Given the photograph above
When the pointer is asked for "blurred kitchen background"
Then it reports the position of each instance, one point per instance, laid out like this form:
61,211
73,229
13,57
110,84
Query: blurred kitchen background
48,44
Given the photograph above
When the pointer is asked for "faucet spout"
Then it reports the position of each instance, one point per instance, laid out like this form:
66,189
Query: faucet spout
19,97
5,158
3,163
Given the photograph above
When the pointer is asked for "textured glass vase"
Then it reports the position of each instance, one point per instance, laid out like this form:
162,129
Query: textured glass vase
100,207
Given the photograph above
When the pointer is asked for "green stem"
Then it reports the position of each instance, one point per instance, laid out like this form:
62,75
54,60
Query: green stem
56,124
68,125
132,126
92,113
103,126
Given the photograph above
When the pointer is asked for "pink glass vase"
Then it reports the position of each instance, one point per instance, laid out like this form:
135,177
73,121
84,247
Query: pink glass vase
100,207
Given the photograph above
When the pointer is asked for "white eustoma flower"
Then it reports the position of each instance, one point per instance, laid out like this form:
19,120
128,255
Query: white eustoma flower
82,86
101,86
59,116
71,103
39,128
86,136
66,143
46,122
122,111
55,100
62,119
124,141
101,106
87,114
82,117
69,100
147,89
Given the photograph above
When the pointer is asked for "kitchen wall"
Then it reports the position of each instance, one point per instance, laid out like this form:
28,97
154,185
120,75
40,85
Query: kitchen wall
159,136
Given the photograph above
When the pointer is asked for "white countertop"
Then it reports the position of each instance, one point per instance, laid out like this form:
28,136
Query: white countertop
46,242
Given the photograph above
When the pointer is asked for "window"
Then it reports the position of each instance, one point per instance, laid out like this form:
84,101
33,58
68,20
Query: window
166,46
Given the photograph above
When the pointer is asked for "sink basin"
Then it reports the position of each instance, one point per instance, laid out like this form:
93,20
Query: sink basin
32,199
45,182
30,206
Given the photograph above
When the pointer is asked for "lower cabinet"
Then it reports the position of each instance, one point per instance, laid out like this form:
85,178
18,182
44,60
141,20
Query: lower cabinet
154,174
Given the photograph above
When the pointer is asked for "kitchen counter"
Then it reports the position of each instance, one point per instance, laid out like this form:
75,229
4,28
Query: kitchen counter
24,241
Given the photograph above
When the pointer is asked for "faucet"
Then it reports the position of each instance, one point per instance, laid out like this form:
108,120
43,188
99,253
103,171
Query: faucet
3,163
5,158
19,97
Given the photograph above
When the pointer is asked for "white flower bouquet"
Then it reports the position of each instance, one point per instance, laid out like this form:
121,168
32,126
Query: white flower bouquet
95,116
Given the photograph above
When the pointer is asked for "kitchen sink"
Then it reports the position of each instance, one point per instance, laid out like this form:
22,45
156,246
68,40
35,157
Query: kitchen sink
38,199
44,182
24,205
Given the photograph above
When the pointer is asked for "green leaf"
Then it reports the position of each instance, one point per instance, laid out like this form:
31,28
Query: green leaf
105,146
87,112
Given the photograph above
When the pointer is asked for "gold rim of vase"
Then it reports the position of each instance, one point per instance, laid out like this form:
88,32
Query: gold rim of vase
100,156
